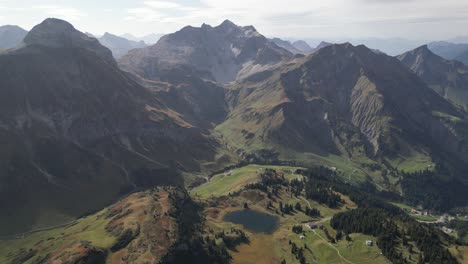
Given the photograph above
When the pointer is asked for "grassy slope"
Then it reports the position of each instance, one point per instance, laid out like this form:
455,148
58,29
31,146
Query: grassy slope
91,228
221,184
147,212
272,248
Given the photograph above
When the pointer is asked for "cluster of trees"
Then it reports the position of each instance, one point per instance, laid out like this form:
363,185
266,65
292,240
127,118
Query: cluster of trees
269,180
372,221
322,193
429,243
298,252
383,225
297,186
378,218
462,230
233,238
286,208
191,245
426,188
297,229
312,212
329,237
318,186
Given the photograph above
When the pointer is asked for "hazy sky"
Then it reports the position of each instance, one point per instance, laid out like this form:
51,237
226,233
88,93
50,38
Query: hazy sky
414,19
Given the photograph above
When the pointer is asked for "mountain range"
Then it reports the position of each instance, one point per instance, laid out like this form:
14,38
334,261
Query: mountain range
299,46
81,130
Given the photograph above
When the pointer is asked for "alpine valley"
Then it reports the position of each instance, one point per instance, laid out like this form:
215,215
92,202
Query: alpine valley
217,144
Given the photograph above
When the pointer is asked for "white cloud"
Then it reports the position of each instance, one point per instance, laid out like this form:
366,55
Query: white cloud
67,13
431,19
162,4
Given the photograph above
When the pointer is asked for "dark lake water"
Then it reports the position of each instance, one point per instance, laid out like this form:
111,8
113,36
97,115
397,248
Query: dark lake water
253,220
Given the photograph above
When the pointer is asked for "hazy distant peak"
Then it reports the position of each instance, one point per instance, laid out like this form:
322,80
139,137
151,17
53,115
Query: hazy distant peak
302,46
11,36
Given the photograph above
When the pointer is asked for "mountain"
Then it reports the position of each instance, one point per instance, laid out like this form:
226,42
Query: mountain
78,133
347,101
302,46
223,53
450,51
118,45
287,46
11,36
448,78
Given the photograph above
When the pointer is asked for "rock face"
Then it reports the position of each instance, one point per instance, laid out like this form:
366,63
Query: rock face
345,100
119,45
448,78
223,53
11,36
77,132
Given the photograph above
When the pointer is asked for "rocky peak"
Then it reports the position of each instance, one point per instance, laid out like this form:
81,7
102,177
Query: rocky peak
227,24
56,33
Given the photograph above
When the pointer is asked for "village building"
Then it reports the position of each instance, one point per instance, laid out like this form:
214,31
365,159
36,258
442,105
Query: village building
369,243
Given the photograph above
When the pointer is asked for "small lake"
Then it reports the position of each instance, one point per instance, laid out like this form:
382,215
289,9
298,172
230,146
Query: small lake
253,220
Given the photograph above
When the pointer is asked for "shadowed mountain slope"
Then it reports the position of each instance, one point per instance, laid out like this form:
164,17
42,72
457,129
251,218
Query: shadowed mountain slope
77,132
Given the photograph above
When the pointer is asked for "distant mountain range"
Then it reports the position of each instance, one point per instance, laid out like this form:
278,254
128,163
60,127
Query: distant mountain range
118,45
11,36
450,51
298,47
